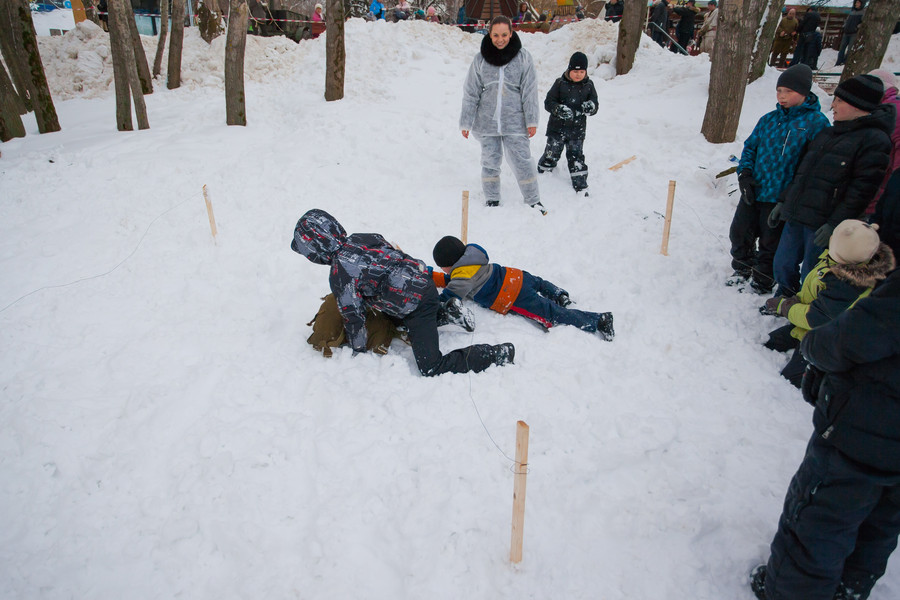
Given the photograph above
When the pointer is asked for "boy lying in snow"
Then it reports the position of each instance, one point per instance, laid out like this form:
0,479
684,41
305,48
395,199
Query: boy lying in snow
468,274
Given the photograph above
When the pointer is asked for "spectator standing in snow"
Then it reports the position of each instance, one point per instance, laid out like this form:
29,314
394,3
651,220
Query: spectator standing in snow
522,15
806,37
684,31
570,101
767,166
887,213
659,22
431,15
614,10
500,107
841,515
402,10
317,16
785,37
707,33
851,26
377,9
367,272
890,97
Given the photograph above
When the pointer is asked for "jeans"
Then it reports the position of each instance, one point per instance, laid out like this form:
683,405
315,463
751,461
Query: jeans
797,246
535,302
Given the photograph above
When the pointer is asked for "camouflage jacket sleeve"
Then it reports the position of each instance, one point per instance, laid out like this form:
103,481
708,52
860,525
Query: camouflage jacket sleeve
350,303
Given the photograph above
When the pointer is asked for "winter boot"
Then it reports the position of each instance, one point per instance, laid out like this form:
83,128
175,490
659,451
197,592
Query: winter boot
504,354
540,207
738,278
605,326
492,203
452,312
762,285
758,582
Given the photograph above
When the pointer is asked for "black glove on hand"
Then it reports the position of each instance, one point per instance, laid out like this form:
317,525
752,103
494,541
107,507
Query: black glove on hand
749,187
588,107
823,234
809,386
774,217
564,112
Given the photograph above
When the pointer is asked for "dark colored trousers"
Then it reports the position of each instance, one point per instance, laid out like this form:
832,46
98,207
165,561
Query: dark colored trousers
423,336
748,226
781,340
839,525
684,38
797,246
574,147
535,302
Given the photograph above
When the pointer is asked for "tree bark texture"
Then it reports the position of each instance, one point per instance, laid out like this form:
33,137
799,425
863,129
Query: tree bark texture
44,111
766,38
11,47
125,73
738,23
209,20
631,27
140,57
176,43
335,53
235,44
163,32
11,125
873,37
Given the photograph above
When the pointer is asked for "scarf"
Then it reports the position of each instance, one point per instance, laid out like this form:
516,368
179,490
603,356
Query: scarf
498,57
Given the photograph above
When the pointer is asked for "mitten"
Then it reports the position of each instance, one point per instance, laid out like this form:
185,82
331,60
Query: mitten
564,112
810,384
588,107
774,217
785,304
823,234
749,187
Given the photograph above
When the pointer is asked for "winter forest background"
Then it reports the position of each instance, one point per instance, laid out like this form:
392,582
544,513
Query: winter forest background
166,431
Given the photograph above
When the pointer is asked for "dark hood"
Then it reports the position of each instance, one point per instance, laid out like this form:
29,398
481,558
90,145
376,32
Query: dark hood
882,117
318,236
497,57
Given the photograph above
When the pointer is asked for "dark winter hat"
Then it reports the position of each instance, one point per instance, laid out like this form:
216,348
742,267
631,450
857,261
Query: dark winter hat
853,242
448,250
578,62
863,91
712,3
797,78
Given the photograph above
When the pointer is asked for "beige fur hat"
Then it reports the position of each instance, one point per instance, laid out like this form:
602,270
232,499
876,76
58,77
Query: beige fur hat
853,242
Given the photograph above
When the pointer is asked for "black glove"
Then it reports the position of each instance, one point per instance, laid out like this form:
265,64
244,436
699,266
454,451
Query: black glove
823,234
588,107
774,217
749,187
564,112
812,381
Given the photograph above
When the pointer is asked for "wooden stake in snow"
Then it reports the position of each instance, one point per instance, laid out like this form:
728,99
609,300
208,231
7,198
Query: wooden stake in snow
621,164
465,217
665,242
521,470
209,211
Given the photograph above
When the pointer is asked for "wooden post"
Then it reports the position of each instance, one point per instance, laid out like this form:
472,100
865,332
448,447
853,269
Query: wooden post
621,164
521,470
209,211
665,242
465,217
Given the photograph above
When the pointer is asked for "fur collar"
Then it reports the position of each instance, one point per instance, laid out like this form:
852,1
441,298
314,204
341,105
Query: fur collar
497,57
872,272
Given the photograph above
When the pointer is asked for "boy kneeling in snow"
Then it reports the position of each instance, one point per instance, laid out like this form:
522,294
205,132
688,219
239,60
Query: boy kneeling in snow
855,261
468,274
367,272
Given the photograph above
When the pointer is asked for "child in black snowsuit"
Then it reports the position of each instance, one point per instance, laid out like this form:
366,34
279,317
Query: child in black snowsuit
468,274
569,102
367,272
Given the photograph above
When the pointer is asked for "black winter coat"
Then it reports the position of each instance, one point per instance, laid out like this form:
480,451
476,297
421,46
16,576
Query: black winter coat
858,404
614,11
887,213
688,18
809,21
566,92
841,170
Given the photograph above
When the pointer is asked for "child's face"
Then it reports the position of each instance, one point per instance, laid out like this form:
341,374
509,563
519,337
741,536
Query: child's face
447,270
845,112
788,97
577,75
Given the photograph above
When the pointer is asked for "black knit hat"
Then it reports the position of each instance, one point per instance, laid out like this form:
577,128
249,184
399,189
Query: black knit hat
448,250
578,62
863,91
797,78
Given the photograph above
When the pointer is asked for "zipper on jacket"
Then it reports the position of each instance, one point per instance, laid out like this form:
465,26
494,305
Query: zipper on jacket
498,110
786,138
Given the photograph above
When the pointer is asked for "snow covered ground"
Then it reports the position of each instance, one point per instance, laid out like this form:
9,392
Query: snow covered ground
165,430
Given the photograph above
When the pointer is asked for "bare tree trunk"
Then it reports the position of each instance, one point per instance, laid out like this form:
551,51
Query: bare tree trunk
235,44
44,111
163,32
11,46
140,57
11,125
738,21
766,37
872,38
176,43
631,27
125,69
335,53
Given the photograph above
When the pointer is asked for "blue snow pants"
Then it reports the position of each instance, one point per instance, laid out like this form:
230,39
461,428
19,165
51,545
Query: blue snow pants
797,244
839,525
535,302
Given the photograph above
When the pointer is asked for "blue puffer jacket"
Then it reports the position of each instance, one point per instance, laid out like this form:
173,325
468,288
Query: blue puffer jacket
773,149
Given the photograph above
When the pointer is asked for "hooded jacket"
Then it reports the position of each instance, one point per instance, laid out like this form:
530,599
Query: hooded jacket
474,276
774,148
840,172
833,287
566,92
500,95
858,404
366,271
887,213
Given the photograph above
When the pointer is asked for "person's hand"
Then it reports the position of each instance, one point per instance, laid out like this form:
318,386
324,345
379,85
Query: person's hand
588,107
532,131
465,133
810,384
823,234
774,217
564,112
748,186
